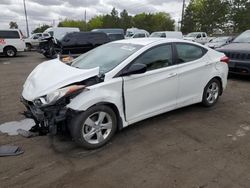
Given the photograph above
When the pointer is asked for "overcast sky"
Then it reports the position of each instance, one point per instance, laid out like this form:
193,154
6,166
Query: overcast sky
45,11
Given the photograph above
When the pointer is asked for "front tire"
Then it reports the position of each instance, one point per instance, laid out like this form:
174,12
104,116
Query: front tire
93,128
211,93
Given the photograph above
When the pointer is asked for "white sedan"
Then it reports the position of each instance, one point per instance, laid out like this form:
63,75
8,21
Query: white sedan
120,83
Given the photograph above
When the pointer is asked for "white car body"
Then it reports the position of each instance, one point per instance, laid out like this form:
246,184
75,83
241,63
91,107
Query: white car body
11,38
138,96
167,34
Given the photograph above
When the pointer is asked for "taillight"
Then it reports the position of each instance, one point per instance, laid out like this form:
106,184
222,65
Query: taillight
224,59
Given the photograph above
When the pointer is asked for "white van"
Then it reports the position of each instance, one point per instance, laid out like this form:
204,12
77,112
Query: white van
11,42
167,34
60,32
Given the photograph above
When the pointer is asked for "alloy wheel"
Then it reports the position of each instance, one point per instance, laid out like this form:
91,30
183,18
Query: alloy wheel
97,127
212,92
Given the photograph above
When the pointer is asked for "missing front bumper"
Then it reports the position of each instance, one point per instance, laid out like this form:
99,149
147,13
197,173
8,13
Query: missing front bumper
50,119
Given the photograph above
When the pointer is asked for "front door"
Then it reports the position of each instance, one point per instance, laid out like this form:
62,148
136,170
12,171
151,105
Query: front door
154,91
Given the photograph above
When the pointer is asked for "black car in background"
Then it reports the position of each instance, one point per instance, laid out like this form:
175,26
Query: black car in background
72,43
239,54
113,33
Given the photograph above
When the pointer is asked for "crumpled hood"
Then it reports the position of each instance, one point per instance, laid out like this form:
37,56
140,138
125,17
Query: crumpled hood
51,75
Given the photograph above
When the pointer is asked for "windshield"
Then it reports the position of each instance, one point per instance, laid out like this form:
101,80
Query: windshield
192,35
220,39
106,57
243,38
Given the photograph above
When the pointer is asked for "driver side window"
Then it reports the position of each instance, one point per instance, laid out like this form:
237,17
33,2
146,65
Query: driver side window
158,57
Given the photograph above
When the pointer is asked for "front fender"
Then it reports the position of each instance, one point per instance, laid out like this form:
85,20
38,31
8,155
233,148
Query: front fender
106,92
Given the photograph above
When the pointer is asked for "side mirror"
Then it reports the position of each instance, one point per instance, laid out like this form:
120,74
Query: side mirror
137,68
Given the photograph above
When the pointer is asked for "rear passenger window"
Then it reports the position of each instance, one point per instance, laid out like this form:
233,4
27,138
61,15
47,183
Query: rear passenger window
9,34
188,52
158,57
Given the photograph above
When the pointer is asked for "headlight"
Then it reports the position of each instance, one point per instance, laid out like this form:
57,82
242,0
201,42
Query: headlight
51,98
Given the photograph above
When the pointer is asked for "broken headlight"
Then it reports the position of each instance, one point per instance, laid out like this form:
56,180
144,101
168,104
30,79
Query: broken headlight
51,98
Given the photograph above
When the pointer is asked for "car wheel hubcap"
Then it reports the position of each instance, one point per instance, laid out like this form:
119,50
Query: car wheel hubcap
212,92
10,52
97,127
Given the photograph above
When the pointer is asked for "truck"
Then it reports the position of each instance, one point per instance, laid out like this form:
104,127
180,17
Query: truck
199,37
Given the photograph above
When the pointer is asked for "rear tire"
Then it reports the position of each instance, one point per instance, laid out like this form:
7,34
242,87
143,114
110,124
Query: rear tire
93,128
211,93
10,51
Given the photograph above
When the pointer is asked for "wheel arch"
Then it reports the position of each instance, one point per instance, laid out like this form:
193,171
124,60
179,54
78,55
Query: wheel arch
221,84
115,109
8,46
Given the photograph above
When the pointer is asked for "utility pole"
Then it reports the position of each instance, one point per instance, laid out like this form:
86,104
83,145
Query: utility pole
182,14
27,25
85,19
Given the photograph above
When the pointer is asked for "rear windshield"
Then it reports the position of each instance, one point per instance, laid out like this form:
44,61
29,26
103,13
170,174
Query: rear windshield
9,34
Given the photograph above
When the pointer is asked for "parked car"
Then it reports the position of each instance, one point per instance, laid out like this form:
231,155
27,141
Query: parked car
136,33
11,42
120,83
200,37
219,42
72,43
239,53
33,40
113,33
167,34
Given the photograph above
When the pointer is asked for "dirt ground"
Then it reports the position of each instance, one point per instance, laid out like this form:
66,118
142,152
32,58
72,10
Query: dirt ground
192,147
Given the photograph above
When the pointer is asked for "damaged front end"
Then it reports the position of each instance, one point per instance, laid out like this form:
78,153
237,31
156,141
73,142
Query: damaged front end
51,116
50,88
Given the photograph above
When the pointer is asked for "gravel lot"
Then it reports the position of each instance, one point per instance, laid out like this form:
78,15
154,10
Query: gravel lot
192,147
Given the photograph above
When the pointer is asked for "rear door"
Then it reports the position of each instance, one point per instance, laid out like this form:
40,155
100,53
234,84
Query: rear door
155,91
193,70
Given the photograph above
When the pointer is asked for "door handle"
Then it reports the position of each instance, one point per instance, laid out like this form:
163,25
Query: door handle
172,75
